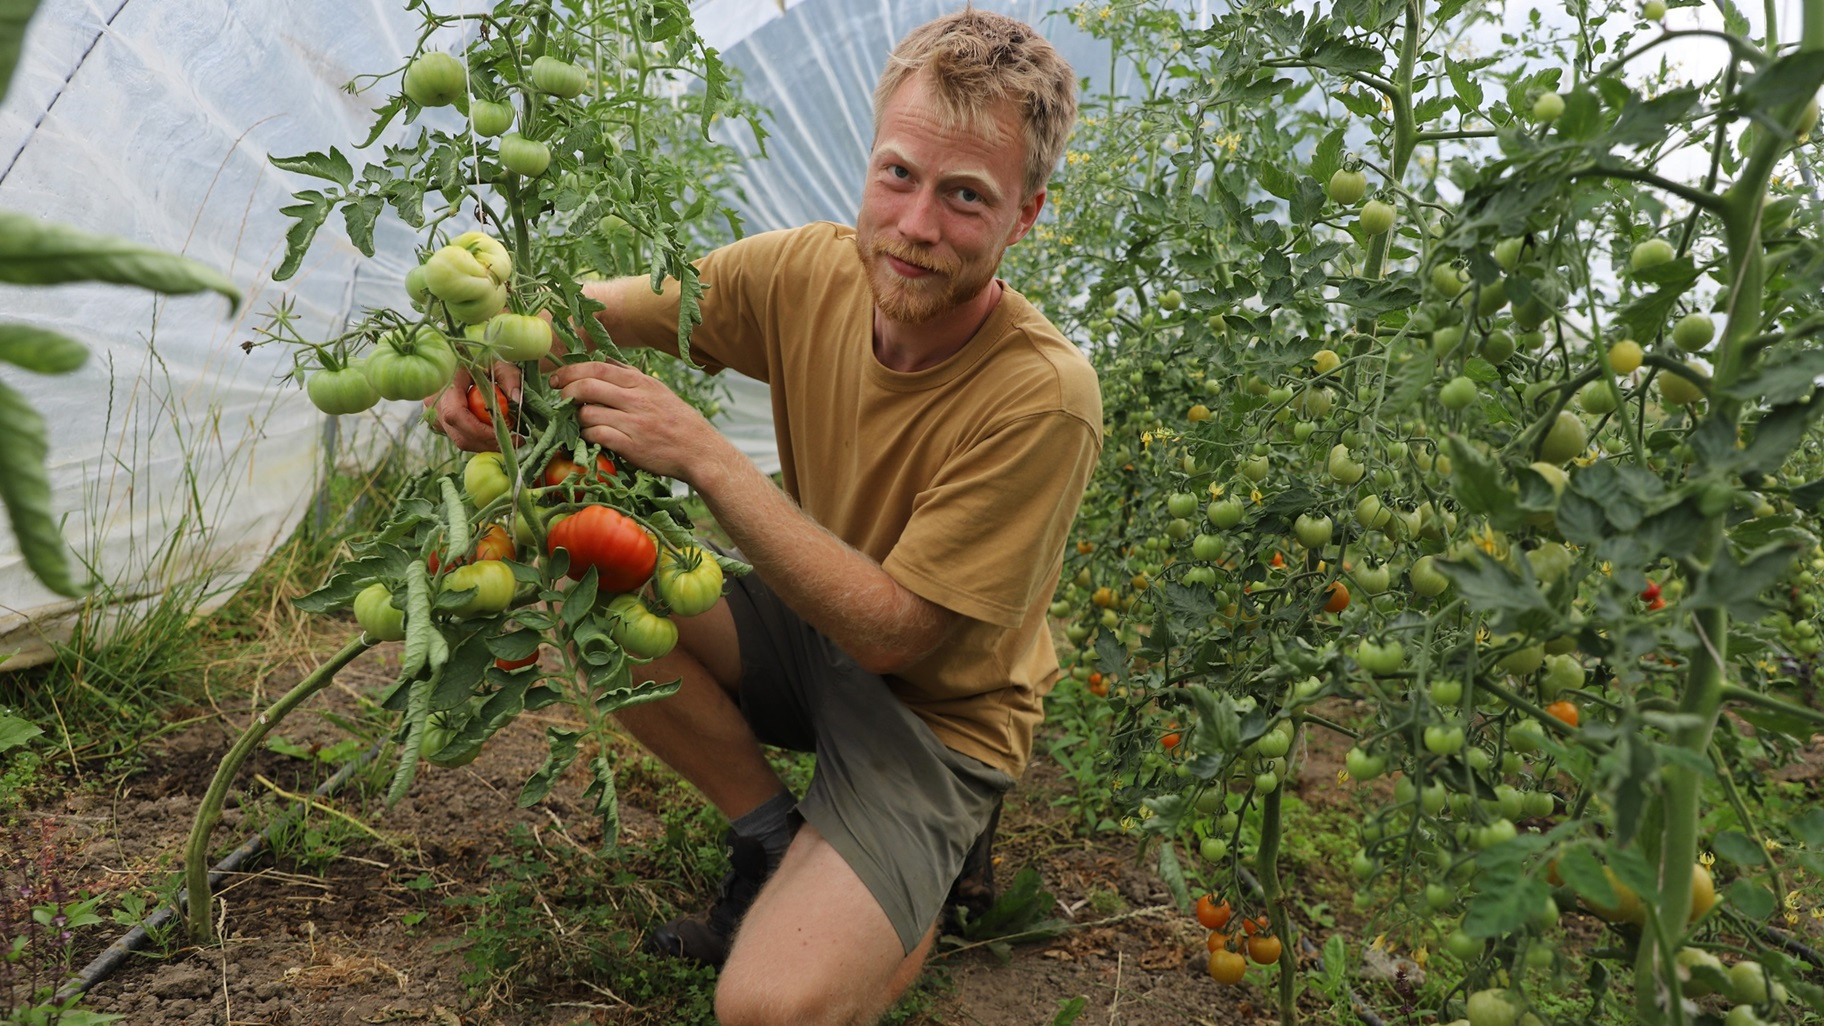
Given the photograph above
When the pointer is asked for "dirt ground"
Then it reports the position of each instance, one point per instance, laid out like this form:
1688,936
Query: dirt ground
312,945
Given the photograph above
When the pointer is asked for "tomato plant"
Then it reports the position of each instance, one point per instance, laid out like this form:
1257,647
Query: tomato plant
601,161
1545,369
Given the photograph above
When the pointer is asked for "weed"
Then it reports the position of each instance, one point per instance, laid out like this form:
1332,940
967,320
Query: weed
38,920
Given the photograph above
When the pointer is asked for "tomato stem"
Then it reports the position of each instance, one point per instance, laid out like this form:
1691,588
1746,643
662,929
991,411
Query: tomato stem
196,850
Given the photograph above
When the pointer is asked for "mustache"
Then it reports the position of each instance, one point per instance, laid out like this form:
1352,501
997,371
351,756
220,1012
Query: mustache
915,256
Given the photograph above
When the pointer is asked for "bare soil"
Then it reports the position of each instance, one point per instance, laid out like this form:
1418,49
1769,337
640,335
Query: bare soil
312,941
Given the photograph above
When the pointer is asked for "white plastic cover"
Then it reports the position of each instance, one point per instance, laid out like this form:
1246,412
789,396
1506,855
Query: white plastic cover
174,455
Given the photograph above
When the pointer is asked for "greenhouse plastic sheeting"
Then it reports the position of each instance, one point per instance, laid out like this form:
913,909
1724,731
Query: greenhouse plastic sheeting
178,460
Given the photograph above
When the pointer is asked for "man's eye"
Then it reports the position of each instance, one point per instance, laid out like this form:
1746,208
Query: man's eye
898,171
968,195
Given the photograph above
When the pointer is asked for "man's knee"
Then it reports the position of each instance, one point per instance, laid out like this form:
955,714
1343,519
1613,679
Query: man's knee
746,999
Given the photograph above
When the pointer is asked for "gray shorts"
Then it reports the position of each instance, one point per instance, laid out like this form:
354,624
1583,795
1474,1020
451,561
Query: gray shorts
900,807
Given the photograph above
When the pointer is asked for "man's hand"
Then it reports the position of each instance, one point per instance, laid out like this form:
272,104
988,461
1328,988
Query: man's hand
636,415
453,418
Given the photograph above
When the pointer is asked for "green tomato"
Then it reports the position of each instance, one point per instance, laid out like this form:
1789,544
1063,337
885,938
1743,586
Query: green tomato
416,289
1273,744
1497,346
1446,691
435,79
1650,254
1523,661
1562,672
456,274
1457,393
1548,108
1599,397
1312,532
490,117
517,337
1492,1007
1213,849
1363,766
641,633
1376,217
1489,301
690,581
1693,332
410,363
1373,580
558,78
1256,468
1348,187
375,612
1443,740
490,583
1509,252
1224,513
1677,390
1380,658
523,156
1566,438
1206,548
1426,578
481,310
1341,468
1653,10
1449,280
342,391
1181,504
485,479
1171,299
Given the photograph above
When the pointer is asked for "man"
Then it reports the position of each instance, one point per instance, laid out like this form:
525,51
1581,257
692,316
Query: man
935,434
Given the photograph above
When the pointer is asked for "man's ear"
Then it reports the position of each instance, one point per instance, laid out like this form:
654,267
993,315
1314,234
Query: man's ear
1029,213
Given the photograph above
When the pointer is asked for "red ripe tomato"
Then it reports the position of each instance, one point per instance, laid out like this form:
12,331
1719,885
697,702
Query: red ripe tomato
515,664
478,403
621,551
563,468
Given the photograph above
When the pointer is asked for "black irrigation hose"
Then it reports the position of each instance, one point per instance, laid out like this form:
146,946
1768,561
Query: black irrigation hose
1311,950
117,952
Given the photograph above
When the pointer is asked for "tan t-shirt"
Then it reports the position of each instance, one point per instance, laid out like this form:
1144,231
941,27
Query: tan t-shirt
961,480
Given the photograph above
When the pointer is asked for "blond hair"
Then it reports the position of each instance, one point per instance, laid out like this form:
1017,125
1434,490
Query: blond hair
977,60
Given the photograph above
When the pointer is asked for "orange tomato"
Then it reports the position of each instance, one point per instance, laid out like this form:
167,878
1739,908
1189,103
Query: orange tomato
1338,599
1258,924
1212,914
495,543
1218,941
1565,711
1227,967
1171,740
1264,949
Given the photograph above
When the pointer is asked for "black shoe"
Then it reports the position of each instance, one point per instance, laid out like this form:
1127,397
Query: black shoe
973,892
705,938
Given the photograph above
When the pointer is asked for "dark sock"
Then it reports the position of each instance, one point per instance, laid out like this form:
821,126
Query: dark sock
772,823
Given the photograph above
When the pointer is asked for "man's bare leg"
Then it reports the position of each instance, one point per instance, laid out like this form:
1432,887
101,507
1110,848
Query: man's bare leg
816,949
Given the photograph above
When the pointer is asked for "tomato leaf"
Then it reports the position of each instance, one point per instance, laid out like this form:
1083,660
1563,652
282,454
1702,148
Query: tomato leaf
1467,89
1779,432
1788,377
1363,103
1751,899
33,252
561,753
382,117
1738,848
1490,587
1172,874
309,216
1647,123
1327,156
332,166
25,488
1509,896
13,16
359,215
40,351
1741,587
